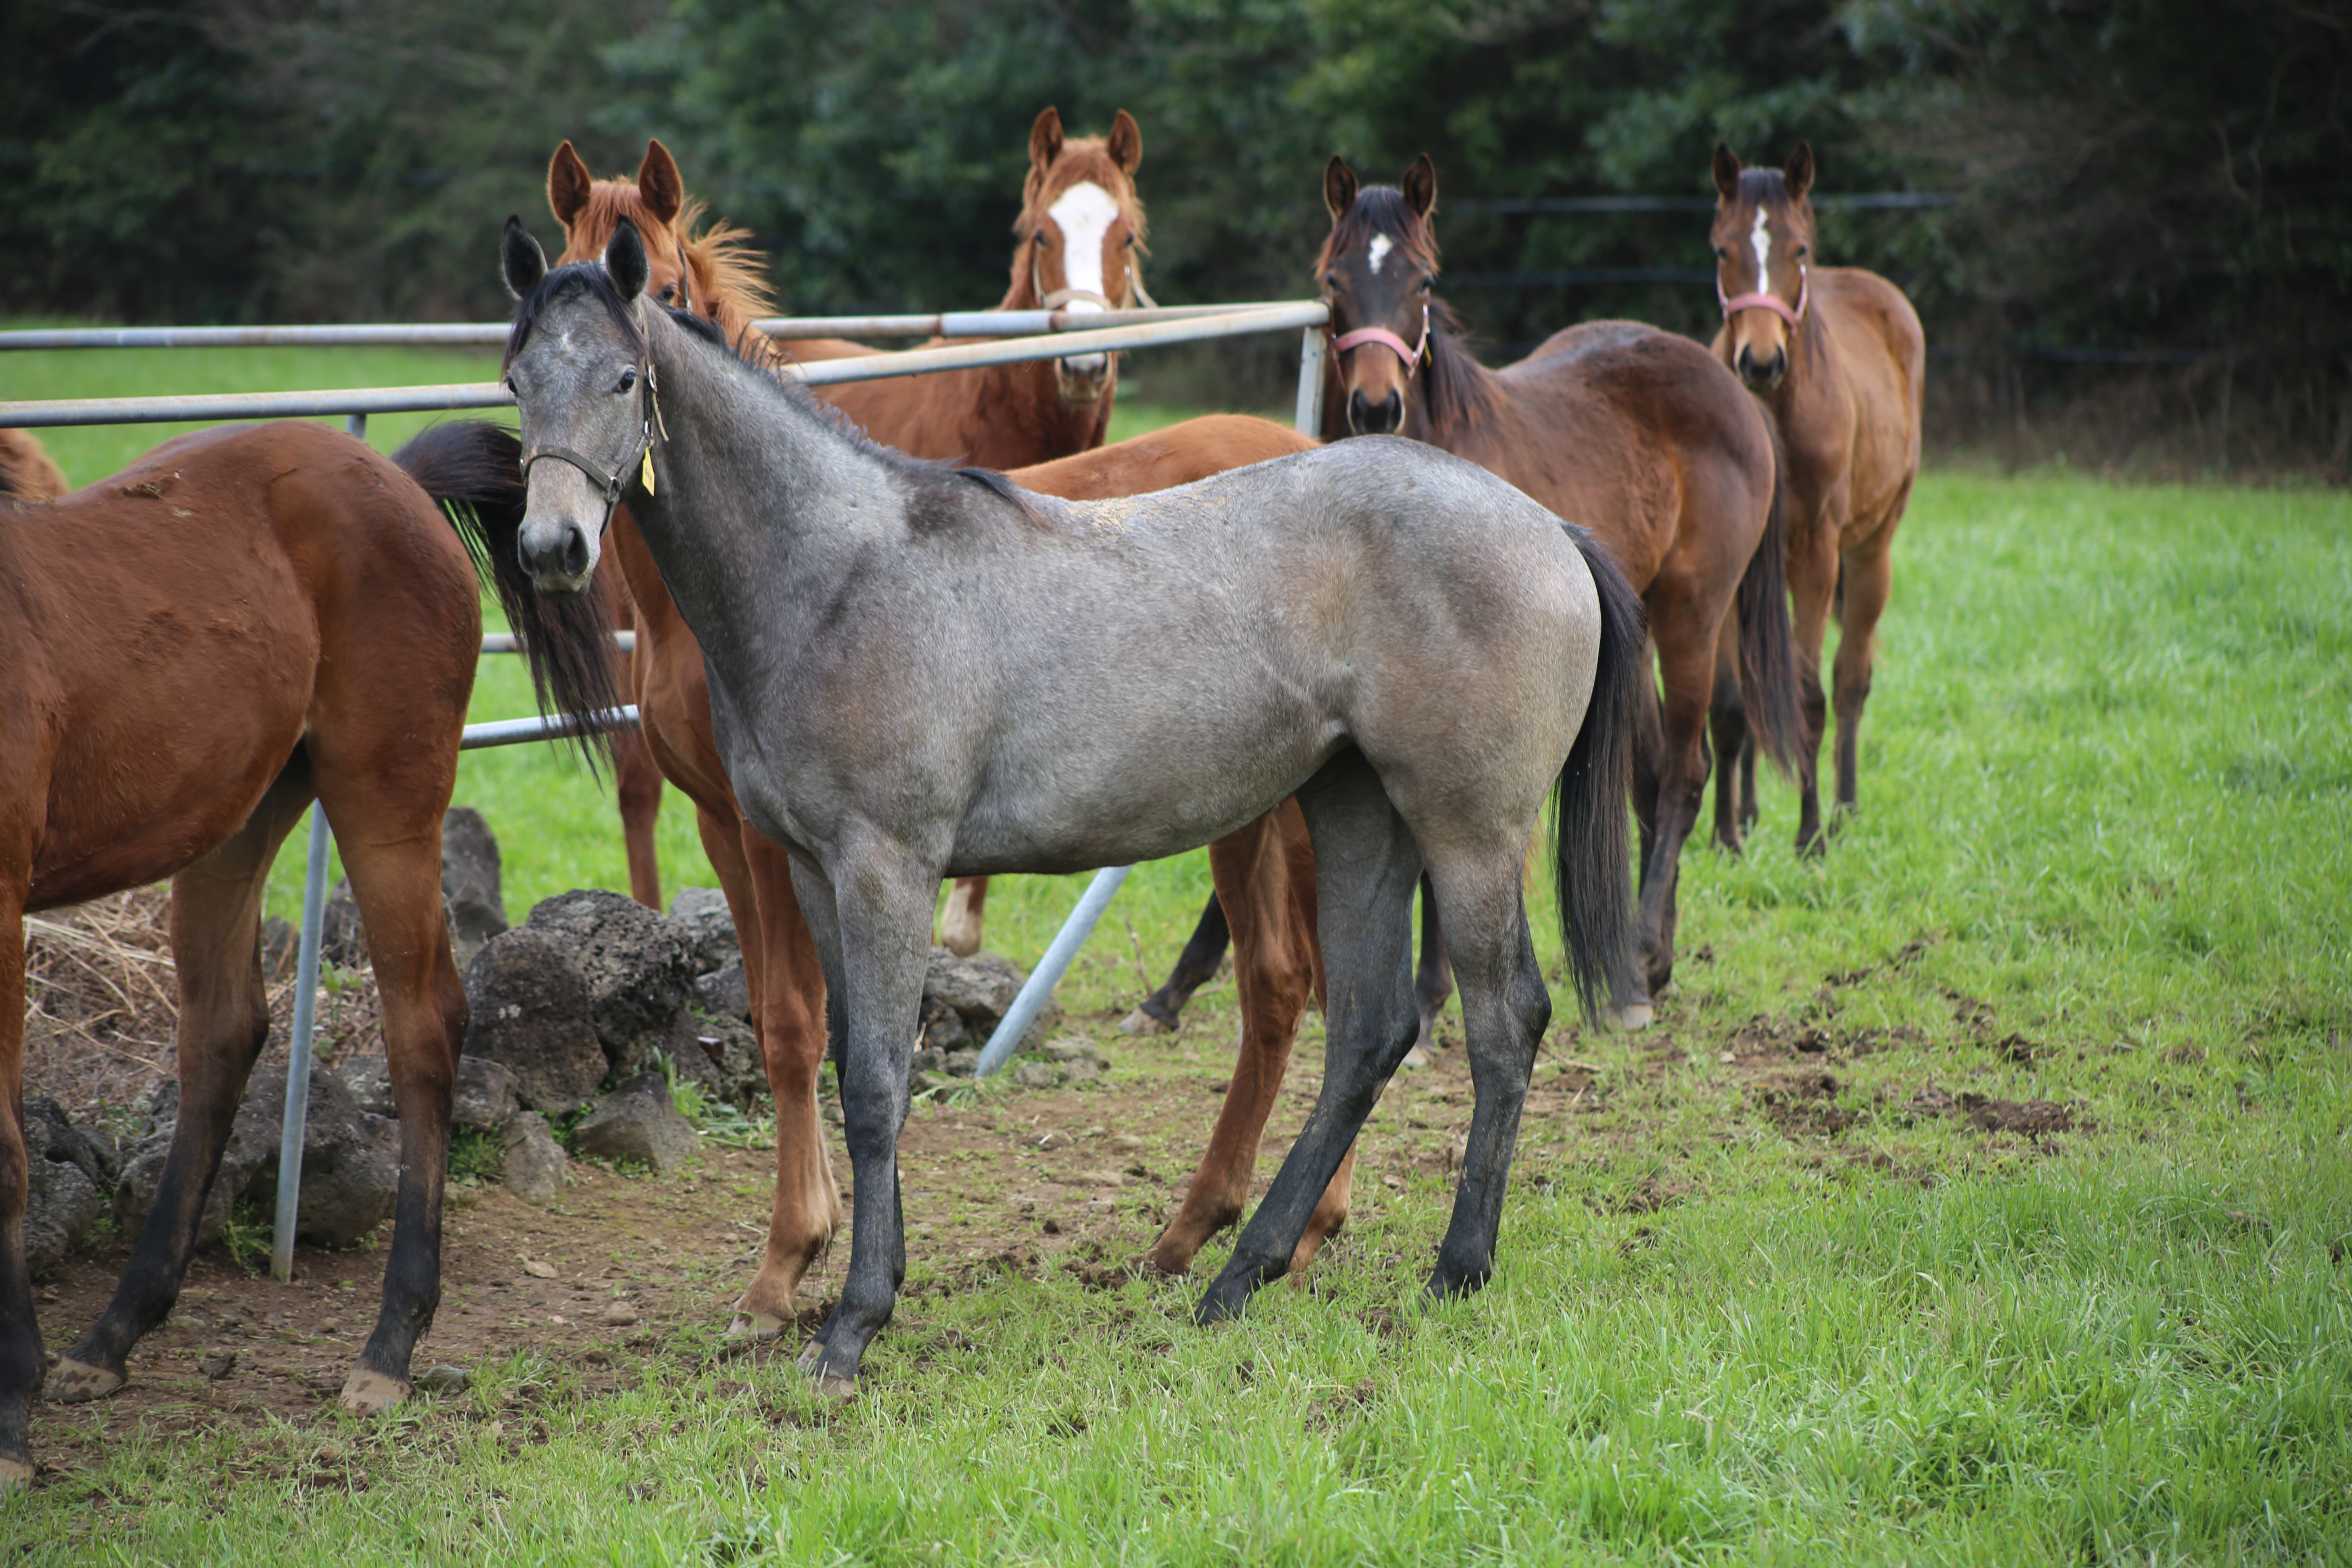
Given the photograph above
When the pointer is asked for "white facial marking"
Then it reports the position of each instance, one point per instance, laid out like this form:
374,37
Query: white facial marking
1381,245
1760,239
1083,212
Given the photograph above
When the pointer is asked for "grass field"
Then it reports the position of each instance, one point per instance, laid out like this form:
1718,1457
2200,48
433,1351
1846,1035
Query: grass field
2101,863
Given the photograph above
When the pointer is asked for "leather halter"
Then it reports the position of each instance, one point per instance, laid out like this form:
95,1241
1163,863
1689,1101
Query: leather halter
610,483
1388,340
1764,300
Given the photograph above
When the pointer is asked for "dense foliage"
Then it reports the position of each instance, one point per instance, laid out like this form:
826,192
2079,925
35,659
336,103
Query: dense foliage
2156,180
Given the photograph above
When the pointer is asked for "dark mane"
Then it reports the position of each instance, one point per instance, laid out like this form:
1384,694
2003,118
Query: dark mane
567,282
1769,187
1454,387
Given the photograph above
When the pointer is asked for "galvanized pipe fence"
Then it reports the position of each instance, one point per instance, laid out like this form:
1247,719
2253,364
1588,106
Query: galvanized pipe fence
1024,336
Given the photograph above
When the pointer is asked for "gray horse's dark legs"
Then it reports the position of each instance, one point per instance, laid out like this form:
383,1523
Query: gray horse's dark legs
1506,1006
871,943
1432,982
1367,865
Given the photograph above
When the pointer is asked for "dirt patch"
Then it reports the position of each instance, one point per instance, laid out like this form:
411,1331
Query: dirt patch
1805,1103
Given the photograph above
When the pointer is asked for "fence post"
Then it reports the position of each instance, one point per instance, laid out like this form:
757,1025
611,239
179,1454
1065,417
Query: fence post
298,1057
1040,984
1309,420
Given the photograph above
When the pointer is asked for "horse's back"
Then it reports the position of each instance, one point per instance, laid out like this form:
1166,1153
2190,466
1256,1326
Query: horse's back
1882,355
1160,460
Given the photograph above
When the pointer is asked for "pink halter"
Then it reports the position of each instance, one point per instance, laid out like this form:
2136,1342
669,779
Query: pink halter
1389,340
1765,300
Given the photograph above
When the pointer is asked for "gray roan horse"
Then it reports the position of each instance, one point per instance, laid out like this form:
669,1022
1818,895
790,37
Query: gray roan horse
919,672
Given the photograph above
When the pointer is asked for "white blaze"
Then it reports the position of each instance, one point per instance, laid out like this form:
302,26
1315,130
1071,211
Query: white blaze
1084,214
1381,245
1760,239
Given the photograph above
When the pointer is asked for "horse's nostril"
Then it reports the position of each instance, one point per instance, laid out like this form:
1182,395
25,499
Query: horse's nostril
575,552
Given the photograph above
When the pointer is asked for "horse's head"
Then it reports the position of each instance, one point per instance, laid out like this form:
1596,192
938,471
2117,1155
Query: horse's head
576,363
1763,240
1082,231
1377,269
709,272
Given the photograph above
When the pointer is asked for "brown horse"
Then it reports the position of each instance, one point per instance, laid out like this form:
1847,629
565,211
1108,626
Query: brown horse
1837,356
26,470
247,619
1081,231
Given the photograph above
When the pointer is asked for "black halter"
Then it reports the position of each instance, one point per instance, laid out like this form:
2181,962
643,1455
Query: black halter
614,482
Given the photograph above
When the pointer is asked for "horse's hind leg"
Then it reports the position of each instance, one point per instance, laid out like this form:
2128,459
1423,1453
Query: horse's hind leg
1263,875
1433,981
1686,654
1504,1009
1368,865
388,828
1734,791
959,930
224,1024
1868,578
1160,1013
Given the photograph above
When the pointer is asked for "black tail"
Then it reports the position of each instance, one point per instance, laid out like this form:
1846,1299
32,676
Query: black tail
473,469
1594,870
1768,646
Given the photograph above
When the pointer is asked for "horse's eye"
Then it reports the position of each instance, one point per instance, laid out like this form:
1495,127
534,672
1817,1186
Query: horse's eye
1039,237
669,291
629,380
1428,283
1723,253
1804,251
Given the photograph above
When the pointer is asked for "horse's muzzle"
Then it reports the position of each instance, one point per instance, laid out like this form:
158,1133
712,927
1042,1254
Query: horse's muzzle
559,554
1367,416
1083,378
1762,375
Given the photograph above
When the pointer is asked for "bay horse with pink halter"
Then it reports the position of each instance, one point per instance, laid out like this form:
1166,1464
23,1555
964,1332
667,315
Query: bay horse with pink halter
1081,232
1837,355
246,620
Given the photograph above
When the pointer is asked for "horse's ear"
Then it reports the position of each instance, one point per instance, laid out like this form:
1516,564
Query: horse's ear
1421,186
1799,172
1340,187
521,258
624,260
1727,171
1045,140
567,186
658,184
1126,143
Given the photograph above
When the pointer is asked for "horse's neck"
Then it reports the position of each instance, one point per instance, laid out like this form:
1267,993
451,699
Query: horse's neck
762,500
1812,405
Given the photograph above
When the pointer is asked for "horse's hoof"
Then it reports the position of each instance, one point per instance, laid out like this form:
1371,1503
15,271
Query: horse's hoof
757,1327
72,1382
1416,1058
369,1393
1142,1023
1638,1017
15,1475
1163,1263
831,1386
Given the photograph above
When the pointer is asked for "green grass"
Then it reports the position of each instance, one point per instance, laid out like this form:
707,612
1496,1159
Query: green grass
2107,789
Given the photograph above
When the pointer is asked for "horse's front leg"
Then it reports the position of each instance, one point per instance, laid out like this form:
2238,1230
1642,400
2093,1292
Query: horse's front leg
870,918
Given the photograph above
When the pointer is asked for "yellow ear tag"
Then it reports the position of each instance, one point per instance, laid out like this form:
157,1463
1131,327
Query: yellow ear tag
645,470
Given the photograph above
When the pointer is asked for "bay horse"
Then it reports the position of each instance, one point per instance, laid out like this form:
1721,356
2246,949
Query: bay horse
1837,355
1631,432
26,470
918,672
247,619
1081,233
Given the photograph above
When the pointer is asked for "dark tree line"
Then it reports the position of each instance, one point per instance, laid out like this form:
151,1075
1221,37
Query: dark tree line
2149,194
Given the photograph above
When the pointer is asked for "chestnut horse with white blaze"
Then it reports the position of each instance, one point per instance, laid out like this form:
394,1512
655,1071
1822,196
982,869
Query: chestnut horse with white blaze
246,620
1081,233
1837,355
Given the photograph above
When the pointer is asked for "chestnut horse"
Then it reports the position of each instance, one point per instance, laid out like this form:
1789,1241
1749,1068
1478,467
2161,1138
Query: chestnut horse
1081,231
246,620
26,470
1837,355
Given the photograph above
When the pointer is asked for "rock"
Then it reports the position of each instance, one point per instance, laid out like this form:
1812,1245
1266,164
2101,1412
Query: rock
710,925
342,935
535,1166
734,1050
70,1169
926,1061
487,1095
724,993
963,1064
980,991
252,1137
620,1315
639,970
351,1159
637,1122
216,1367
470,881
370,1081
1074,1048
1037,1074
444,1380
943,1029
529,1013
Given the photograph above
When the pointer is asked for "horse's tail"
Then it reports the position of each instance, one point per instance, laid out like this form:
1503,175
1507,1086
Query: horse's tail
1594,872
473,471
1768,646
